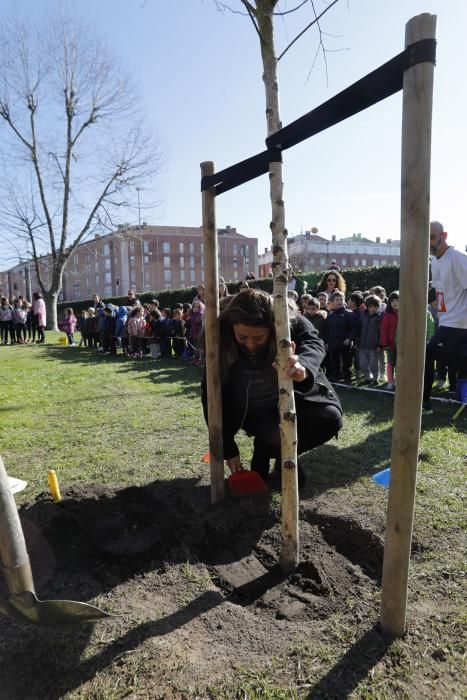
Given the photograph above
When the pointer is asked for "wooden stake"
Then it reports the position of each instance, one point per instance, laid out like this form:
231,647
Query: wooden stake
415,199
211,334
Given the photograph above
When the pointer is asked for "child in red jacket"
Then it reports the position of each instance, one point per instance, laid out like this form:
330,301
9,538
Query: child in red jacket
388,331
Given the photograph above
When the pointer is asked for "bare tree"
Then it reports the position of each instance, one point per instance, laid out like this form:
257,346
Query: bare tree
73,142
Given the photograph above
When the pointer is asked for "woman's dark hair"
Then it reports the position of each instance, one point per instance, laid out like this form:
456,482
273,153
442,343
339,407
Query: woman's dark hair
36,296
155,314
340,285
393,295
252,307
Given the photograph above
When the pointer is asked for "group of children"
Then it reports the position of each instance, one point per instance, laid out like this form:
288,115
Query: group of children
22,321
139,329
361,335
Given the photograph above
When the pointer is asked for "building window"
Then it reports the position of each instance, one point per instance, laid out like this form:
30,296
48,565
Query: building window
375,263
395,262
108,278
96,266
344,261
182,261
311,261
235,263
167,286
192,260
181,248
236,276
167,276
145,247
97,280
192,276
132,246
182,276
146,259
106,249
107,263
166,260
202,248
363,262
192,248
202,261
132,260
383,262
108,291
235,249
322,261
165,246
356,262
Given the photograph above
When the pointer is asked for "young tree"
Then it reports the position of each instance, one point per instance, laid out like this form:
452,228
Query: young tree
262,13
72,140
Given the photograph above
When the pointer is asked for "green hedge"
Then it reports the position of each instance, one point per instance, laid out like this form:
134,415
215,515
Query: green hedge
359,278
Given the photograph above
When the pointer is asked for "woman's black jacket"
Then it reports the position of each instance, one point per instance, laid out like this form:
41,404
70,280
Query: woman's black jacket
315,388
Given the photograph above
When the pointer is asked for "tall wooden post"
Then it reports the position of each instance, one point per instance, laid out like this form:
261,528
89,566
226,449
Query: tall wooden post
415,201
211,334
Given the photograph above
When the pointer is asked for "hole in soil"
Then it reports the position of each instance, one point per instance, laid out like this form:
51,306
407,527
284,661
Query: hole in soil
308,578
250,592
357,544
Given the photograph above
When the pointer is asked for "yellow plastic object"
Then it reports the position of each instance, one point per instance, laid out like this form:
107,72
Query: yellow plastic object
62,340
53,485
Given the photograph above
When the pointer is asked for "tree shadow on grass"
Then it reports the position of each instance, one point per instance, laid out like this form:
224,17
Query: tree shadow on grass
353,667
98,538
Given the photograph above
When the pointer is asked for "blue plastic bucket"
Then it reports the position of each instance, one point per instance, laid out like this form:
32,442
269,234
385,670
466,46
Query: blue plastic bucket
462,390
383,478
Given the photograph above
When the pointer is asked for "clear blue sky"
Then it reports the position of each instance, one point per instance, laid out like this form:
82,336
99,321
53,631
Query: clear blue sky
200,76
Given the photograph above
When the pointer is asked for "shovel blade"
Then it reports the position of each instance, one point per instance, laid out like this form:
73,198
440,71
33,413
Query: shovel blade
28,608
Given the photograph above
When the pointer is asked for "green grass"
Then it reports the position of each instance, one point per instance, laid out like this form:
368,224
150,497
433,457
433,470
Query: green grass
119,421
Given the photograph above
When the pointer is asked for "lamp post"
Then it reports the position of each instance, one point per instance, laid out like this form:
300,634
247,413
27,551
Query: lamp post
243,254
143,277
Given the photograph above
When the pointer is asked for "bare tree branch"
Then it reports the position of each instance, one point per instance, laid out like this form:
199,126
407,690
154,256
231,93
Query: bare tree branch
300,34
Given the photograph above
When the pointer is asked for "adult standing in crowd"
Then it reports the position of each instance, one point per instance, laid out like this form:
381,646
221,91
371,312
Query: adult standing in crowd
449,278
250,393
40,315
131,299
332,281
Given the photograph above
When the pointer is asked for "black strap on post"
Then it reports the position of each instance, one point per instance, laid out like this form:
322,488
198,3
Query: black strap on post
374,87
242,172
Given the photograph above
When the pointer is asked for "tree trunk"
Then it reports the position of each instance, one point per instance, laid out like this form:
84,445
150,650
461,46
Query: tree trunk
280,266
50,299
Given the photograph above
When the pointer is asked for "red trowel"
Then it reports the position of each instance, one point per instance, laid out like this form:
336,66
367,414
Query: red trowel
243,483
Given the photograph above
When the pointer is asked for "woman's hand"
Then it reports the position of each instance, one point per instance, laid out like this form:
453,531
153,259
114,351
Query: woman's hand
234,464
293,369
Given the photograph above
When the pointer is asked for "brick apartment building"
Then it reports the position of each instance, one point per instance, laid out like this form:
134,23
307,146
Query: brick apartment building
311,253
149,258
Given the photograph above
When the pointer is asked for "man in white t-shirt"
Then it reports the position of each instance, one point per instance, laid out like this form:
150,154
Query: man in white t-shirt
449,278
